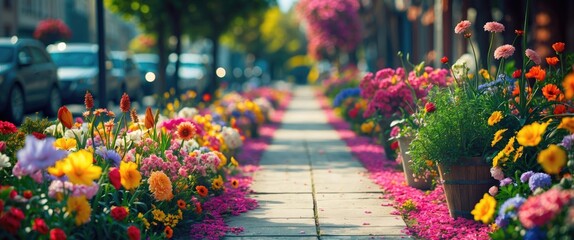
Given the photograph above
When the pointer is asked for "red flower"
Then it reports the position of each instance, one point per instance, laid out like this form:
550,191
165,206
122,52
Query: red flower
1,206
13,194
394,145
57,234
11,220
38,135
444,60
558,47
206,97
125,103
2,146
7,128
119,213
198,208
519,32
40,226
552,61
89,101
517,73
65,117
559,109
115,178
353,113
52,28
430,107
134,233
27,194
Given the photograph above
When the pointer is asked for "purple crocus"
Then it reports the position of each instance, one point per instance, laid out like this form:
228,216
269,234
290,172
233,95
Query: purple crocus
38,154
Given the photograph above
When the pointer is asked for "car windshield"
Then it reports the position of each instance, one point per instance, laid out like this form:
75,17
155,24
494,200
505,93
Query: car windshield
6,55
147,66
74,59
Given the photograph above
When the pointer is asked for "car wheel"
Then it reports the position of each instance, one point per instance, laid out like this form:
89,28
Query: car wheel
55,102
16,105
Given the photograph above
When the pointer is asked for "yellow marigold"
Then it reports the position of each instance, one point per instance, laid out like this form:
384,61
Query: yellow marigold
567,123
80,208
509,148
221,157
518,153
158,215
494,118
552,159
497,136
367,127
234,162
217,183
484,209
144,220
130,176
79,168
531,135
65,144
160,186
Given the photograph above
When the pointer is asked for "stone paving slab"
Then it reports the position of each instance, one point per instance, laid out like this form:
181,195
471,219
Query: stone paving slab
309,176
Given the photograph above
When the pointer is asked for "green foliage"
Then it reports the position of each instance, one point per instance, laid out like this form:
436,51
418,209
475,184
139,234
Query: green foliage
457,129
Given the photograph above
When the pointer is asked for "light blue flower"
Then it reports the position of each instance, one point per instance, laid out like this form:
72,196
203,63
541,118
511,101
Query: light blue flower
38,154
539,180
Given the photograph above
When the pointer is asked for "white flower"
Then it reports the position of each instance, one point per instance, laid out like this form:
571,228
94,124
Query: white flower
231,137
4,161
187,112
463,66
135,136
77,133
190,146
52,130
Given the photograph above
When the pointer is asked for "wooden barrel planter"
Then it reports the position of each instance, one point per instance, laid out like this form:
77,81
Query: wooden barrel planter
422,184
464,185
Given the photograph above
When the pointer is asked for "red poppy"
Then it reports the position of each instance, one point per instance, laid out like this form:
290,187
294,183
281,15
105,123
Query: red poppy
558,47
551,92
40,226
552,61
202,191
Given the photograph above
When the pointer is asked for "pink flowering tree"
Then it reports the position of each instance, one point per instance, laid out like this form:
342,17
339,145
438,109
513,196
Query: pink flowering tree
333,26
50,31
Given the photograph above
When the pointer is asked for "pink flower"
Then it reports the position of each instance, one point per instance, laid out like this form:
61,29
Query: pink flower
539,210
533,56
462,26
504,51
493,191
496,173
493,27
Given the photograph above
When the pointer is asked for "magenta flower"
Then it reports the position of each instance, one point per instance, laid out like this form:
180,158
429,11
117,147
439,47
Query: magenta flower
533,56
38,154
462,26
493,27
539,210
504,51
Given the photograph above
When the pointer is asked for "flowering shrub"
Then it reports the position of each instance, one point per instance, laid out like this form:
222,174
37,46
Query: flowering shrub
126,176
50,31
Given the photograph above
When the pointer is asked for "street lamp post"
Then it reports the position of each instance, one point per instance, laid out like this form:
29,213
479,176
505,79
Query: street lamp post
101,54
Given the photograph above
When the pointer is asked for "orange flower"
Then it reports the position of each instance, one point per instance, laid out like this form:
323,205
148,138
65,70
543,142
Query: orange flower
551,92
65,117
125,103
181,204
198,208
149,120
558,47
234,183
568,85
537,73
89,101
168,232
186,130
201,190
552,61
160,186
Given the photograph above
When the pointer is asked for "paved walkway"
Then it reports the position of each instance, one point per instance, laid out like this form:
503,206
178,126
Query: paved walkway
310,186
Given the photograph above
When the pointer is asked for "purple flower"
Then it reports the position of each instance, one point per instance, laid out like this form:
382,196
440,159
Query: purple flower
525,176
111,155
501,221
567,142
509,208
505,182
534,234
539,180
38,154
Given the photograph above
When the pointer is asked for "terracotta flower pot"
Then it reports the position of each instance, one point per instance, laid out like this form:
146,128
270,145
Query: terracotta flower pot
464,185
420,183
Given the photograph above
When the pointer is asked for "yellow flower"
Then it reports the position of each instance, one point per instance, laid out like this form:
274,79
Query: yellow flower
130,176
80,207
509,148
79,168
367,127
234,162
65,144
58,169
552,159
568,124
222,158
531,135
158,215
160,186
494,118
144,220
484,210
497,136
484,73
518,153
498,158
217,183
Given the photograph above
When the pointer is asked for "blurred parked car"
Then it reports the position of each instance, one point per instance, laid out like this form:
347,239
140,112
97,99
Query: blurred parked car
28,79
148,65
193,71
78,72
127,73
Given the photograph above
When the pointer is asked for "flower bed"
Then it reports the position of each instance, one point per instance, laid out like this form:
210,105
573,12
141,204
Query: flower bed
425,212
141,176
